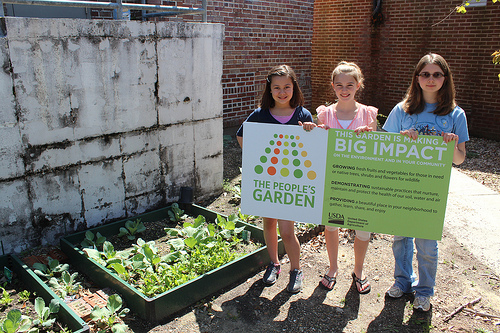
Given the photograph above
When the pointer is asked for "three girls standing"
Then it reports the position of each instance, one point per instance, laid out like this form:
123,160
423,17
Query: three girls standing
429,108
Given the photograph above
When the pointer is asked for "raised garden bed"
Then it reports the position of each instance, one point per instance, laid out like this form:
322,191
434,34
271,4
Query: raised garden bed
65,316
165,304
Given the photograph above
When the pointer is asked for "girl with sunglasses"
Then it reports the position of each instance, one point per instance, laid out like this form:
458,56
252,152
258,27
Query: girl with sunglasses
429,108
346,113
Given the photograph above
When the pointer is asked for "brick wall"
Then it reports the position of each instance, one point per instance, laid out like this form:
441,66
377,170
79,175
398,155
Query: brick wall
387,53
258,36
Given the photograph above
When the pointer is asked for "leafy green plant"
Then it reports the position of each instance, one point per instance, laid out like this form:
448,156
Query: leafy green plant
93,241
131,229
108,255
24,295
6,299
45,318
176,214
228,226
107,318
66,284
245,217
52,269
15,322
226,185
195,248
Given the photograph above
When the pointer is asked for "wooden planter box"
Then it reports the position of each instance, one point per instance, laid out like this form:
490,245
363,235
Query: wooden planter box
35,284
162,306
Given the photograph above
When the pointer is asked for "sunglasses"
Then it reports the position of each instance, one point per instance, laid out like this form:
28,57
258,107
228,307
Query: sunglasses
427,75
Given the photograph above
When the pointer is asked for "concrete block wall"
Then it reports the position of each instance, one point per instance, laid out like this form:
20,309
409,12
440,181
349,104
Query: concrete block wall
104,120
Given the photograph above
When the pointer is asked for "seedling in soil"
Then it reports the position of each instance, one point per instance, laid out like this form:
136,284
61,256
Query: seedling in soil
52,269
6,299
131,229
93,241
65,285
15,322
24,295
107,318
176,214
45,317
245,217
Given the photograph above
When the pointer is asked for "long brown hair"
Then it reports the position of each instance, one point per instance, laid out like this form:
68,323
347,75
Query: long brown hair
267,101
414,102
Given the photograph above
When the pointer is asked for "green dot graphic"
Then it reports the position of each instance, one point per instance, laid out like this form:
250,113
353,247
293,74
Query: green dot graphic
295,152
284,172
293,144
271,142
258,169
275,135
285,161
263,159
292,137
296,162
268,150
298,173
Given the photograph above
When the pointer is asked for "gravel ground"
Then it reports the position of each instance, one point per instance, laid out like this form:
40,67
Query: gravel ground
483,162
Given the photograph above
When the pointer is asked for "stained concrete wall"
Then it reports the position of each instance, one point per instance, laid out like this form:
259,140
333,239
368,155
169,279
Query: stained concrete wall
103,120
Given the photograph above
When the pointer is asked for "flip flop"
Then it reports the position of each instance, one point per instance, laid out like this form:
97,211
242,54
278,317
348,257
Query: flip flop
330,282
364,285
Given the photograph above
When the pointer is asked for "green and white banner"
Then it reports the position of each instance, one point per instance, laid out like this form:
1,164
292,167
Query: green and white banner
376,181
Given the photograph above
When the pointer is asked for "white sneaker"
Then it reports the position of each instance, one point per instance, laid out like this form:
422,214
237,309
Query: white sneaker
422,303
394,292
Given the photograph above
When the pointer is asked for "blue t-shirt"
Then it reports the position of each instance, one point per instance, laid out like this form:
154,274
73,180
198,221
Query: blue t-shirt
428,123
264,116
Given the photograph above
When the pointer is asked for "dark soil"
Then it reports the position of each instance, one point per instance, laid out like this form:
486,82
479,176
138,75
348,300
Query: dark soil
249,306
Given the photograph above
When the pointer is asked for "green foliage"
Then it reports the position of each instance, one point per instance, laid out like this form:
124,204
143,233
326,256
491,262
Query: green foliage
195,248
245,217
65,285
176,214
15,322
131,229
45,318
52,269
107,318
24,295
108,255
226,185
93,241
6,299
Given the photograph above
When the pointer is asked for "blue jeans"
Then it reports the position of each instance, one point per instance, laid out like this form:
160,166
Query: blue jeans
427,259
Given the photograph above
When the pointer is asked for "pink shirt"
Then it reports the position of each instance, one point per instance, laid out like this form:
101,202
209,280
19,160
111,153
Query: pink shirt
365,116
